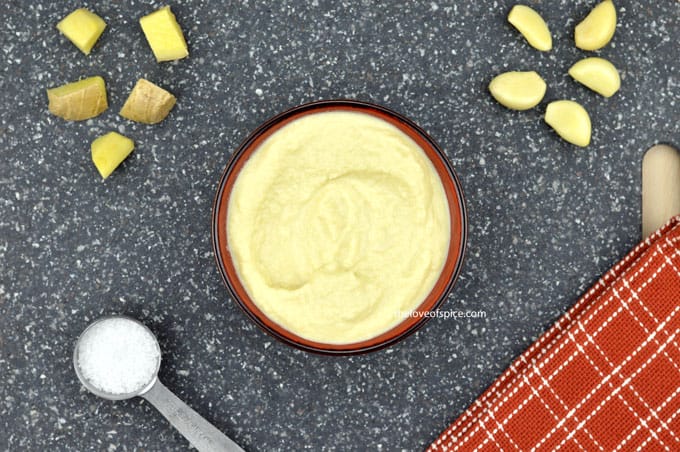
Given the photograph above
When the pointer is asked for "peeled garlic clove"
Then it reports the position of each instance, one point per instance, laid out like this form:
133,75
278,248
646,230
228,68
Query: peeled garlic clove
518,90
597,29
532,26
570,120
597,74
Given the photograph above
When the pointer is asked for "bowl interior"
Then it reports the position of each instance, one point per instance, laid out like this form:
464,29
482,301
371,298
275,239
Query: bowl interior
454,196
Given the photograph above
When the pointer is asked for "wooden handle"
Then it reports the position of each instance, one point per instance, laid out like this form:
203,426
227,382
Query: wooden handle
660,187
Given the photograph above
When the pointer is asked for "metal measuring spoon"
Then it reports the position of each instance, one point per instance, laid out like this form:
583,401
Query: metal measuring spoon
201,434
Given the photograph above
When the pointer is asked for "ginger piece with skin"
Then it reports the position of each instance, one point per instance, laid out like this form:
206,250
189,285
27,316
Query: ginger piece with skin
147,103
79,100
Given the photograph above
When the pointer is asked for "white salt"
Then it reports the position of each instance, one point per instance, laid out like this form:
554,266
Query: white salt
118,356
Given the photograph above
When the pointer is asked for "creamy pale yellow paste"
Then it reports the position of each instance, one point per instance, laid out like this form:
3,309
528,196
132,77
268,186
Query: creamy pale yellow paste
337,224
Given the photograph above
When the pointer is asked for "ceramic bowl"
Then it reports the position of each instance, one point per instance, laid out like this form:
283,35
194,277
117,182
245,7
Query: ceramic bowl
454,196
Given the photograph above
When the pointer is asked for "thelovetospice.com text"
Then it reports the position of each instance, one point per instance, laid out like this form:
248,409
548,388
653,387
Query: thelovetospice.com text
450,314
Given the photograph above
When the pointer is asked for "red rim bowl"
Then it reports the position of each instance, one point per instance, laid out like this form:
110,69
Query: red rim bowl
452,189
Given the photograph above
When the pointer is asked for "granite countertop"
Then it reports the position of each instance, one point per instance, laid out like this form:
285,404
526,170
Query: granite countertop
546,218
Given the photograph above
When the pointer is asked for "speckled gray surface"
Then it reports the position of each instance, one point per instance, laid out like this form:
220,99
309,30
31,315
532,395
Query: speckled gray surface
546,218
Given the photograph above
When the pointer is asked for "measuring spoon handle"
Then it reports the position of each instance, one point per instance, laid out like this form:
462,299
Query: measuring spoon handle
201,434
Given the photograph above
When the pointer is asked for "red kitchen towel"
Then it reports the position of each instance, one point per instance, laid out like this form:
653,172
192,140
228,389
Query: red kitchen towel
605,377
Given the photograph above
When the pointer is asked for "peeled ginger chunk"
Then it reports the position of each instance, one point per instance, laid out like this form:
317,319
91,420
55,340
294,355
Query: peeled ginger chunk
147,103
82,28
109,151
532,26
597,29
570,120
518,90
164,35
79,100
597,74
